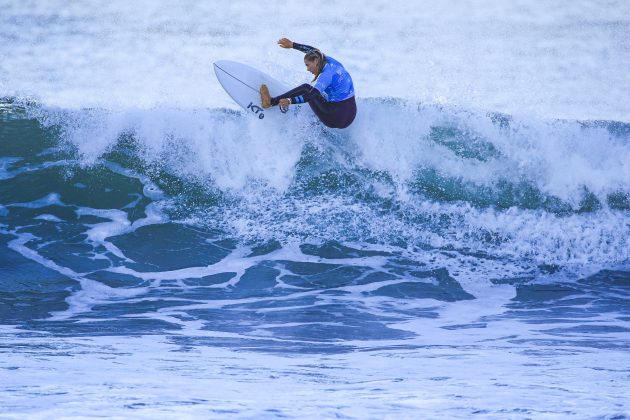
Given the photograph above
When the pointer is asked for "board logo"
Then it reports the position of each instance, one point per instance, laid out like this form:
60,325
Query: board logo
257,110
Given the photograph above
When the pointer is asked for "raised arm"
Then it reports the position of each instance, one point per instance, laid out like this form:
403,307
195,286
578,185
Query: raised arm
287,43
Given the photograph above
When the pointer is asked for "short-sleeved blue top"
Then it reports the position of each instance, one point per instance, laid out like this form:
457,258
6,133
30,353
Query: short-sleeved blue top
334,82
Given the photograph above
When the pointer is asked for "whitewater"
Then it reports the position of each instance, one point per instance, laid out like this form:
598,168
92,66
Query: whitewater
461,250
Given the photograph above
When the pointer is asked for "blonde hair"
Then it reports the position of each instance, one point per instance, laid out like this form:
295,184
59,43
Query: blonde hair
313,55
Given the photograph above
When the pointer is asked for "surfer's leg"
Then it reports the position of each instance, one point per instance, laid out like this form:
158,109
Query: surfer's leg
335,114
324,115
267,101
294,93
332,114
346,112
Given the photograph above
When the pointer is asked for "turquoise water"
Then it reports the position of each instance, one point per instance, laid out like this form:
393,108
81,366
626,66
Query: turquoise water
162,254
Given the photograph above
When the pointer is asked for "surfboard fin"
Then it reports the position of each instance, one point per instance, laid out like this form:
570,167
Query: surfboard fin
265,98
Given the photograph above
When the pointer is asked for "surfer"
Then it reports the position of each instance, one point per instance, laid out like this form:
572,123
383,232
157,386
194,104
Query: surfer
331,97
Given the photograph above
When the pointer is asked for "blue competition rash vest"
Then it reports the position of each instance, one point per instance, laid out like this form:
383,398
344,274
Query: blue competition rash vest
334,82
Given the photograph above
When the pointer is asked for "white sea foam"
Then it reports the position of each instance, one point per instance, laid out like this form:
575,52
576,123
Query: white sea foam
562,158
137,376
49,218
228,148
5,167
49,200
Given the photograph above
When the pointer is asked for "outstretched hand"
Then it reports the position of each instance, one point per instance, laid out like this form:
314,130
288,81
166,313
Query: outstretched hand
285,43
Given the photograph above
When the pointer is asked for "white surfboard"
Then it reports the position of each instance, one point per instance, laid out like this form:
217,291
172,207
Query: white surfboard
242,83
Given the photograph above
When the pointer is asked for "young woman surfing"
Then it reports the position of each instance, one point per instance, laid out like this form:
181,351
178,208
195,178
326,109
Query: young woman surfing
331,97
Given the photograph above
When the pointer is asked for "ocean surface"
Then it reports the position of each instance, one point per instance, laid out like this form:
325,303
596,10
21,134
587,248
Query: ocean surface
461,251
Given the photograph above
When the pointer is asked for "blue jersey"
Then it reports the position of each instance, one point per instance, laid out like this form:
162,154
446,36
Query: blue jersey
334,82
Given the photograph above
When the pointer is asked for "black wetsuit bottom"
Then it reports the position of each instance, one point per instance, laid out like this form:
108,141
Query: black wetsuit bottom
332,114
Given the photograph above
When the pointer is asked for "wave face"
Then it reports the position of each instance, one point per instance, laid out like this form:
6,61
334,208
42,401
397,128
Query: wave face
420,175
465,240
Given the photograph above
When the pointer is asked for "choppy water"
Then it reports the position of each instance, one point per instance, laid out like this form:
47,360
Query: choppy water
462,249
